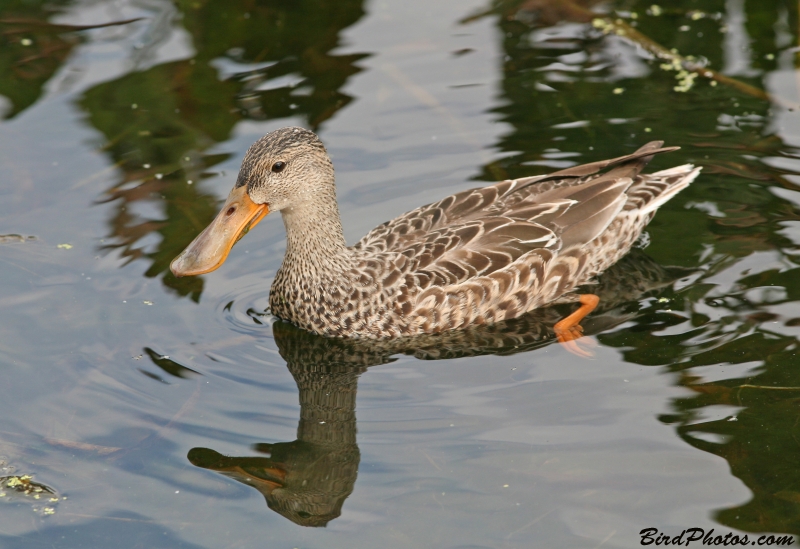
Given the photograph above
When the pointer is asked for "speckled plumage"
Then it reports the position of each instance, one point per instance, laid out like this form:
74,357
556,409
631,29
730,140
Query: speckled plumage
479,256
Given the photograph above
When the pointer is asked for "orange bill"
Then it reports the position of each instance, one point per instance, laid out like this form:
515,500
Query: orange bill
209,250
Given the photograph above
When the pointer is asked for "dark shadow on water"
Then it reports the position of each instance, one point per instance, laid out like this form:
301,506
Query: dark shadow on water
307,480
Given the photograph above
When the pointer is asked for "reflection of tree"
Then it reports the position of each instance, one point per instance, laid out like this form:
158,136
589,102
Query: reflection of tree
559,78
31,51
761,439
308,480
760,435
259,61
290,38
559,70
761,442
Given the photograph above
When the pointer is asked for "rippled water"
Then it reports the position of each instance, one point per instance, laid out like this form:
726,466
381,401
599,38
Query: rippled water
141,410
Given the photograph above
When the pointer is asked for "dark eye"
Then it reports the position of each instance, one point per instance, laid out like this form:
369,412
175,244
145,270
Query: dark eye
278,166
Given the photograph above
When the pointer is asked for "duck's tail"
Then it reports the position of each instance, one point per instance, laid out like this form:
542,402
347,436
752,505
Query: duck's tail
651,191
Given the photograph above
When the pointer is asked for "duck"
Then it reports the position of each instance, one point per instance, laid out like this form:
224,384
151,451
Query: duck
480,256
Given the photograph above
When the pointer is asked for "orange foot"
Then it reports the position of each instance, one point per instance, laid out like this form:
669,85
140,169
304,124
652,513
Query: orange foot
569,330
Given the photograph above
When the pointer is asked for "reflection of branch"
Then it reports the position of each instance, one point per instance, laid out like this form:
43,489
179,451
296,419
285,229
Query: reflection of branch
747,386
44,54
551,11
64,28
567,10
622,29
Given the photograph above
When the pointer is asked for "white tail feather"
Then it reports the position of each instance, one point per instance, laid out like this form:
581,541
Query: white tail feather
689,173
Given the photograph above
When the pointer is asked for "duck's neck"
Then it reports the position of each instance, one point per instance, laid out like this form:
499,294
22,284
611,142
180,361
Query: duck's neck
315,244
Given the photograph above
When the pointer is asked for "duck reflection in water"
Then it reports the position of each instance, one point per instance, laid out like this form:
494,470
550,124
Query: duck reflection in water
308,480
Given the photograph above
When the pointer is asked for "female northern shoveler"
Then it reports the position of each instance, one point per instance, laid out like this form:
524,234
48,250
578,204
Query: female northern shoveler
478,256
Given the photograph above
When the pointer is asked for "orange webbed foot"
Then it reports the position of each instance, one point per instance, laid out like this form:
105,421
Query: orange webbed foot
569,329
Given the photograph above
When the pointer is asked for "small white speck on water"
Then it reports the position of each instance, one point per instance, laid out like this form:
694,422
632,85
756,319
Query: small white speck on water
189,182
134,106
145,166
626,381
618,91
733,418
26,42
177,491
322,423
505,485
124,301
147,302
159,175
452,425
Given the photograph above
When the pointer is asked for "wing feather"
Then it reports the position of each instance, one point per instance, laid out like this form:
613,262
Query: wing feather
502,237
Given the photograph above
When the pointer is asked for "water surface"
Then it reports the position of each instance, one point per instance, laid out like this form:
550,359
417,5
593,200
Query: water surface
150,411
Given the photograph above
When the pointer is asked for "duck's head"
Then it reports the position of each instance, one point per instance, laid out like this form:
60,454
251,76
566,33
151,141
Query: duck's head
284,169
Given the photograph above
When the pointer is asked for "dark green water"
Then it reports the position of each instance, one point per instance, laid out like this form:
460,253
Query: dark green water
150,411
